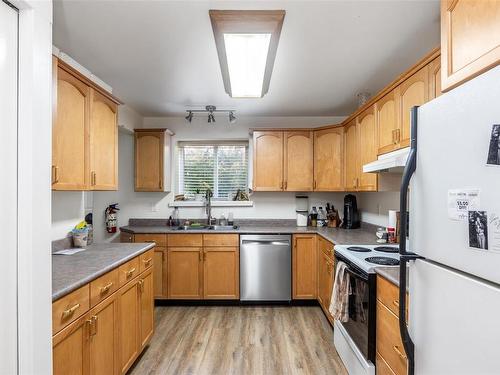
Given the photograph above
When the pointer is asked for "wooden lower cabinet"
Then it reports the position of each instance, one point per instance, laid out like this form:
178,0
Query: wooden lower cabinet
146,303
70,349
103,337
382,366
129,324
221,277
185,270
160,286
304,267
325,282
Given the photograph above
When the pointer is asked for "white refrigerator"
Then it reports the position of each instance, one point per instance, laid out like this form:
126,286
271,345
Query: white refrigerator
454,204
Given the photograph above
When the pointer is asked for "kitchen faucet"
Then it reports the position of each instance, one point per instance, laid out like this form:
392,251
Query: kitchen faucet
208,207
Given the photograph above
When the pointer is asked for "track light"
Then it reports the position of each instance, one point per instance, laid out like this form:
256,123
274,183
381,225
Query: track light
211,109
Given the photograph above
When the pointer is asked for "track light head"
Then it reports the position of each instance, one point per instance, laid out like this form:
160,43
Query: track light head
232,117
211,118
189,116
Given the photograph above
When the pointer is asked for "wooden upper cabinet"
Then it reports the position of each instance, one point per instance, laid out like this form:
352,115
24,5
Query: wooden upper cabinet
298,160
84,133
103,143
268,161
367,149
434,70
69,133
387,121
328,159
152,155
470,39
413,91
351,163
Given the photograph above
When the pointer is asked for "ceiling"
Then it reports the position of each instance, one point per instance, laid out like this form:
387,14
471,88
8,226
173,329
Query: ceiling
160,56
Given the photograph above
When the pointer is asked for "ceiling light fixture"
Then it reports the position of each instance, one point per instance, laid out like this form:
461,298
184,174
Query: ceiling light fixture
211,109
247,41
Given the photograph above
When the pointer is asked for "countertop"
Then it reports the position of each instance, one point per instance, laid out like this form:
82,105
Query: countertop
69,272
361,236
389,273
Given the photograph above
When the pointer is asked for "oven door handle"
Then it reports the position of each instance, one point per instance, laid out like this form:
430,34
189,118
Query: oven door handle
355,274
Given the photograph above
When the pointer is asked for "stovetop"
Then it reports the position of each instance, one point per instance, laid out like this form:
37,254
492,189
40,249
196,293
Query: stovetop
358,255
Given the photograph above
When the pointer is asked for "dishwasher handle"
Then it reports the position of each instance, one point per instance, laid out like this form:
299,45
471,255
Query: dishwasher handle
265,242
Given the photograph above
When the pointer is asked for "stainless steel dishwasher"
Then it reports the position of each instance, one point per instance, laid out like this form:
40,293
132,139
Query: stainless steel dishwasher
265,267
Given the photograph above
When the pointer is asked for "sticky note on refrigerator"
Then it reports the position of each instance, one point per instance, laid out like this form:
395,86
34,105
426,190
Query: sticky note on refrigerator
460,201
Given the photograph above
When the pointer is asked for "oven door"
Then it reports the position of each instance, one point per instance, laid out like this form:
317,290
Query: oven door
361,323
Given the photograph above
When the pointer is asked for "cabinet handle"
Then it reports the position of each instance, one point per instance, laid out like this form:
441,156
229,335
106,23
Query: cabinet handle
92,178
160,183
129,273
286,185
398,135
395,303
150,241
93,325
200,256
141,286
398,352
106,288
147,262
314,185
55,174
69,312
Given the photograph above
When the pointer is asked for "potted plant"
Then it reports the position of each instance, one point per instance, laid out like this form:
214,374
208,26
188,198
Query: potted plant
198,196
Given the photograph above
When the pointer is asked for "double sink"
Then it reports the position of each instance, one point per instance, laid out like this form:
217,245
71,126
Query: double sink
208,227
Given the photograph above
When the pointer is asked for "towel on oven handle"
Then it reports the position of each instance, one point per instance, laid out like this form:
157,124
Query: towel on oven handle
339,301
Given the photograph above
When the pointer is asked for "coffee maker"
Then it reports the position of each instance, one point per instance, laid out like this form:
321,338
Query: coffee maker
351,214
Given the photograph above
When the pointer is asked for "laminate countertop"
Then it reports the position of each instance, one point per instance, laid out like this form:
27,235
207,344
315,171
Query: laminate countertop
389,273
69,272
338,236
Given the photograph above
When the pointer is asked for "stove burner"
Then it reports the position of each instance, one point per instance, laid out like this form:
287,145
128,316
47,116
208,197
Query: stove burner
387,249
359,249
385,261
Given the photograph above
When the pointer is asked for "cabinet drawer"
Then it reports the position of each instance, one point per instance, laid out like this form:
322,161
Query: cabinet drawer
146,260
70,307
389,343
388,294
221,240
185,240
128,271
103,287
325,246
126,237
159,239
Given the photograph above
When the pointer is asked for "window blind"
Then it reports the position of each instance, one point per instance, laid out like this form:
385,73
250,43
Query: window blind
222,167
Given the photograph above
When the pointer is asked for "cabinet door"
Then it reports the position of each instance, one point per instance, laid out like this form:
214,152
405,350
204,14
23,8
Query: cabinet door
434,70
304,267
367,149
104,338
149,161
103,143
386,117
328,159
70,134
268,161
325,282
147,307
351,156
221,278
470,39
298,162
70,349
129,322
160,272
413,91
185,272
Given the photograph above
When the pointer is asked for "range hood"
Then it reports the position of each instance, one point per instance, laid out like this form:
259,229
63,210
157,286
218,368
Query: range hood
393,162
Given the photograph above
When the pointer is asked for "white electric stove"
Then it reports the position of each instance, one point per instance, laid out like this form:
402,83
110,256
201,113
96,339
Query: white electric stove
368,257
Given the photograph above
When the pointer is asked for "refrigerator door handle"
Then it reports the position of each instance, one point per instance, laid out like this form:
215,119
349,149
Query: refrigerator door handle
411,165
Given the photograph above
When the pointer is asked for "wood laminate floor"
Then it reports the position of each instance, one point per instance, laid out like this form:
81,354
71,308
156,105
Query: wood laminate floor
243,340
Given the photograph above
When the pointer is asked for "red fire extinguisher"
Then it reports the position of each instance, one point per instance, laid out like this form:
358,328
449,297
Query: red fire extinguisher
111,218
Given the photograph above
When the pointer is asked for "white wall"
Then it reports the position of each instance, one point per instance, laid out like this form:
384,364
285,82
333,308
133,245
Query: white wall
374,206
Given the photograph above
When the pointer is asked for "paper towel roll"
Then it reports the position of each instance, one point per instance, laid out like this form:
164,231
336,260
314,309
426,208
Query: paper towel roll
393,218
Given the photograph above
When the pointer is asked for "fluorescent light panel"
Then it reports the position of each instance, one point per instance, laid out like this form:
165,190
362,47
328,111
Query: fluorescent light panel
246,59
